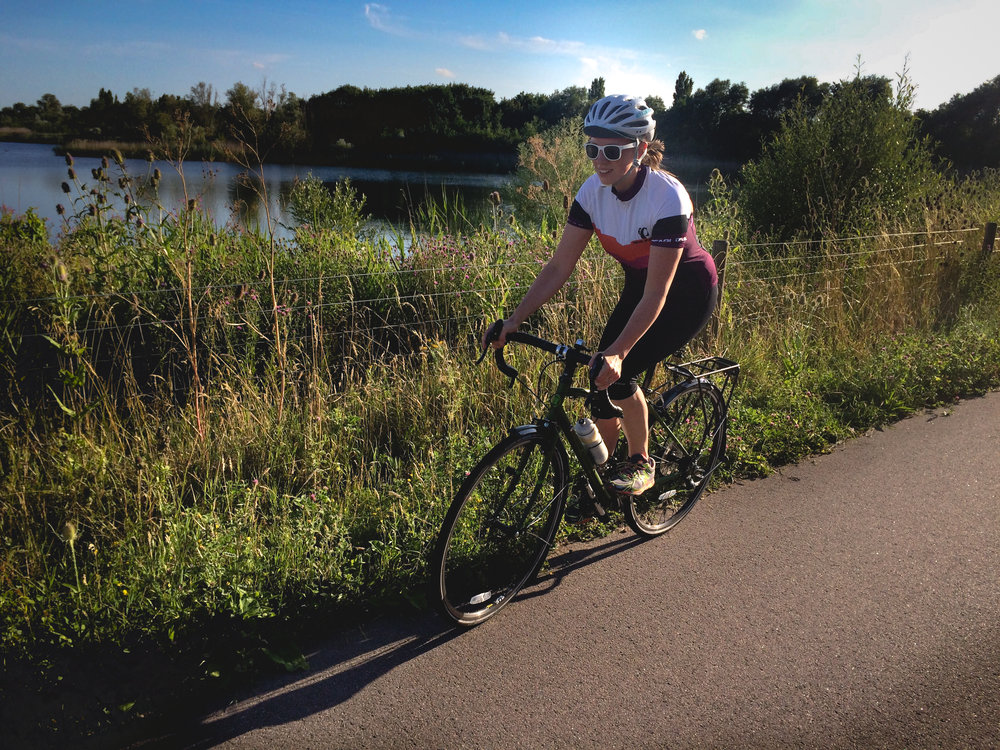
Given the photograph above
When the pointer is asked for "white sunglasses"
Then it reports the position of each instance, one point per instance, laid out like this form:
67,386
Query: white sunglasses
611,152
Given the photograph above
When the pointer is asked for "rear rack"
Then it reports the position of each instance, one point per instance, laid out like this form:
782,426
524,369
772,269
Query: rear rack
707,370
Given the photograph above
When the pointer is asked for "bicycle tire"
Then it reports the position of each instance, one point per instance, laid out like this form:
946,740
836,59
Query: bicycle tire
499,528
686,440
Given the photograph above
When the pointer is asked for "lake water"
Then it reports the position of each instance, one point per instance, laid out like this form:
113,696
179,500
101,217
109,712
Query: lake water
31,176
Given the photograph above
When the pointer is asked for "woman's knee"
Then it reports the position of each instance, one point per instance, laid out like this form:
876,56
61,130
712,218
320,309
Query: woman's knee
622,390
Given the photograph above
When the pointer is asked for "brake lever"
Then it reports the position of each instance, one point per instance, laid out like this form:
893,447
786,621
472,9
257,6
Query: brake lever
491,335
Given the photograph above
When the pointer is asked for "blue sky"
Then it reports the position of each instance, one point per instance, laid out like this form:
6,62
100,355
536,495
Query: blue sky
72,49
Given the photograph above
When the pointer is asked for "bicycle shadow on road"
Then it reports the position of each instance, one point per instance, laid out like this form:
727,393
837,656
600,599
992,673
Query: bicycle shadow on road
337,670
575,557
355,659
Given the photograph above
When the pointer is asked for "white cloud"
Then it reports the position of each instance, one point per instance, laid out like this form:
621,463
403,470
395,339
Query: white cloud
540,45
376,15
699,34
475,42
265,62
624,77
135,49
625,69
381,18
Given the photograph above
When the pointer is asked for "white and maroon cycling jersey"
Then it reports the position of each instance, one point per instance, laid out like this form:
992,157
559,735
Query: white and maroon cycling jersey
655,211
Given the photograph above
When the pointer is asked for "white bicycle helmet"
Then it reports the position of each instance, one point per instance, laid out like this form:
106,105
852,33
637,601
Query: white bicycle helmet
620,116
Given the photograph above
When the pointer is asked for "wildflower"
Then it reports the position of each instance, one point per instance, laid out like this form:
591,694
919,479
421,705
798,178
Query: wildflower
71,173
69,159
60,209
105,163
70,531
65,187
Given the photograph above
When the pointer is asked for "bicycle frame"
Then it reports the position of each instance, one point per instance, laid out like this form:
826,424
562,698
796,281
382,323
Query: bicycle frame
701,371
556,417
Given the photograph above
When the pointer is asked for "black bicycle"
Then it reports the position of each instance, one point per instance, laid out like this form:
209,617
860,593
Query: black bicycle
502,523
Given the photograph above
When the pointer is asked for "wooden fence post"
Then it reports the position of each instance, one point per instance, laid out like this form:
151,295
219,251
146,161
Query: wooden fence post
989,238
720,251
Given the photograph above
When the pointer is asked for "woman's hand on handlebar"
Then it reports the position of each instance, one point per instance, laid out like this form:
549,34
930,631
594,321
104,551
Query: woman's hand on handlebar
507,327
610,372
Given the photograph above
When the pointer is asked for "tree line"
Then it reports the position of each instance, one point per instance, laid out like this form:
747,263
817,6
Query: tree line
456,125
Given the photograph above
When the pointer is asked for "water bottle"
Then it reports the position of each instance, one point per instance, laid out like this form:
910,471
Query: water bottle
588,433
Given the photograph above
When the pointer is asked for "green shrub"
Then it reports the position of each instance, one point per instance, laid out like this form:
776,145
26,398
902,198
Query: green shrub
341,210
551,167
856,166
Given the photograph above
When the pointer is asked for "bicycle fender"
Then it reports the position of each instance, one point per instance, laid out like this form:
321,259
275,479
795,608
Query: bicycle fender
687,385
535,428
546,429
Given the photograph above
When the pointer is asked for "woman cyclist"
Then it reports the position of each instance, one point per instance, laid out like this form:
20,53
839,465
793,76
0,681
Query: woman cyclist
643,217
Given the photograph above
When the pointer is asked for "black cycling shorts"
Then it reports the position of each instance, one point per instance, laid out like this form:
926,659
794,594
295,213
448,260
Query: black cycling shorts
686,311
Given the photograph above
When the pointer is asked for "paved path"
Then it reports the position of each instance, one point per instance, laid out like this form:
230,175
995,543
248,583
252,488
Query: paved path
849,601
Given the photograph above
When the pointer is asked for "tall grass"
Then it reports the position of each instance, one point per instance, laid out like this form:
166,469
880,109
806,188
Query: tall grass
212,426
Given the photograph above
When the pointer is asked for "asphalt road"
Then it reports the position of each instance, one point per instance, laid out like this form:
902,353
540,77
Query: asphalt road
852,600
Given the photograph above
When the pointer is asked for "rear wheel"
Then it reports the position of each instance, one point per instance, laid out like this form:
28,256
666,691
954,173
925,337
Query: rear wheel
499,528
686,440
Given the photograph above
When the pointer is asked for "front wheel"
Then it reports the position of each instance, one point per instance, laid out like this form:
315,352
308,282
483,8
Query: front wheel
499,527
686,440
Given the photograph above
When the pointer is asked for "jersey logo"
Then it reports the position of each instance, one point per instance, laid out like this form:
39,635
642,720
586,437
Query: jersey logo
644,233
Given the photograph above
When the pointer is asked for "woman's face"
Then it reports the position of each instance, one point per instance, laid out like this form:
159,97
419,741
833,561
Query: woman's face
620,173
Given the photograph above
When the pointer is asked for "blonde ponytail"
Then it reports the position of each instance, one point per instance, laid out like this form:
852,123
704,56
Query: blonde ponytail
654,155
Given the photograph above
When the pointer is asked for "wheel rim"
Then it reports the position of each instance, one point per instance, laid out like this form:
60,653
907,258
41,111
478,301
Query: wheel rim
501,533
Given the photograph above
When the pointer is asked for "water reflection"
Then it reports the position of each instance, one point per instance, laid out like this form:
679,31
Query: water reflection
31,176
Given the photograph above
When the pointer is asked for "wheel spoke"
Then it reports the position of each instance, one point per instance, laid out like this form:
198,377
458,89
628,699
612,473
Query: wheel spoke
500,528
685,441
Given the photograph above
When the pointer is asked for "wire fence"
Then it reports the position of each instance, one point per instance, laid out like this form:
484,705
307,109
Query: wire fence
402,272
835,260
